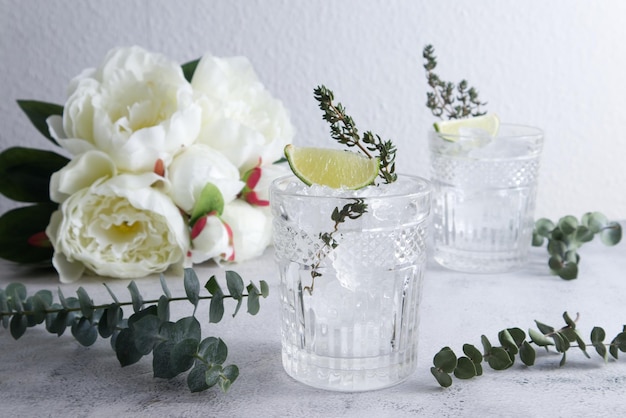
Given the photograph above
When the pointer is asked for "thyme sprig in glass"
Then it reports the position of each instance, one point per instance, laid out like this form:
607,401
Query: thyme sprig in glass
344,130
446,98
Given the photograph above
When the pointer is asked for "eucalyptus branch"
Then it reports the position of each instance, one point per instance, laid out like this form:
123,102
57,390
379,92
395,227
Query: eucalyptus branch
513,343
448,99
344,130
566,236
349,211
176,346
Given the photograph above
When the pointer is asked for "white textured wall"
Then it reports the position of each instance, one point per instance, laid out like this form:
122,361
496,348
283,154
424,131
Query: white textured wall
557,64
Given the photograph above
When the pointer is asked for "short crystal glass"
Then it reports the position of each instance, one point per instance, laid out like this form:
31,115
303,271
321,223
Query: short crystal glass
350,291
484,192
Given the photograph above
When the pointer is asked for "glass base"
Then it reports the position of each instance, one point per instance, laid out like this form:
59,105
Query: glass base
348,374
479,262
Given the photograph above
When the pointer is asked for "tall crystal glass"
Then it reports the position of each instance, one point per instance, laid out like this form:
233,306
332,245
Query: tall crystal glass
484,197
350,290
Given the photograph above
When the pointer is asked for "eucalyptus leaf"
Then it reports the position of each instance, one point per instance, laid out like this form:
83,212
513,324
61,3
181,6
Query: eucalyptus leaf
18,325
568,224
507,341
213,374
611,234
86,304
84,332
253,299
569,271
189,68
499,359
182,355
442,377
146,333
229,375
125,348
544,227
196,379
527,354
109,320
135,295
161,364
473,353
465,368
235,285
38,112
595,221
213,350
163,308
166,290
445,360
192,286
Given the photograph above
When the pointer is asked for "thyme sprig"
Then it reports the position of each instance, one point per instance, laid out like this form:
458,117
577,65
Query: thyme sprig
446,98
344,130
513,343
349,211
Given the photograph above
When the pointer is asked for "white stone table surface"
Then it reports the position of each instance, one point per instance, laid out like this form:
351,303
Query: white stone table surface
42,375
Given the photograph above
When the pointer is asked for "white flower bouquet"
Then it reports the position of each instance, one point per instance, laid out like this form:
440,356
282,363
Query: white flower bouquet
168,166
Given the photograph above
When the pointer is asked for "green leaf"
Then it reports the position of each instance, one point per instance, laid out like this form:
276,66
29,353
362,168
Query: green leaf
184,328
265,289
210,200
216,309
556,248
111,316
84,332
135,296
235,285
163,308
486,344
445,360
20,230
161,365
465,368
86,304
196,379
192,286
583,234
568,224
544,227
253,299
182,355
41,301
537,240
442,377
213,374
545,329
569,271
4,307
507,342
166,290
561,342
595,221
213,350
229,375
125,348
620,342
189,68
539,339
499,359
25,173
57,323
527,354
611,234
18,325
37,112
473,353
597,335
569,321
146,333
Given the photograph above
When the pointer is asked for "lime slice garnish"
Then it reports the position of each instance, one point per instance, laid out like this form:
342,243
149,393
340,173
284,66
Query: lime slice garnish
331,167
451,129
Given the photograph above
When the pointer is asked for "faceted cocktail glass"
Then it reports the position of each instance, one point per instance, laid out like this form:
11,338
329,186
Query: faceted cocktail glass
484,197
349,301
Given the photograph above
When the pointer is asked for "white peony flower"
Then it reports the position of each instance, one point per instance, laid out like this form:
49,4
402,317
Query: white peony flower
252,124
211,238
198,165
119,227
251,229
136,107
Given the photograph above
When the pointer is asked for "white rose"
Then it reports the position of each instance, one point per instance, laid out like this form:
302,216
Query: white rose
210,238
253,125
119,227
136,106
198,165
251,228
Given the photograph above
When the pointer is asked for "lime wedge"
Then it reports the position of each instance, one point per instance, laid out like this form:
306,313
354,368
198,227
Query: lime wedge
450,129
331,167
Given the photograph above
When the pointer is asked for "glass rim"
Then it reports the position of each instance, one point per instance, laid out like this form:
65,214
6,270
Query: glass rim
529,131
425,189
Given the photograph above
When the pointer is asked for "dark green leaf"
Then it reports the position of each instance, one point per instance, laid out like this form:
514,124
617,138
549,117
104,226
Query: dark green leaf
22,236
146,333
445,360
556,248
39,306
109,320
161,365
234,284
84,332
545,329
25,173
86,304
163,308
189,68
569,271
527,354
473,353
182,355
539,338
213,374
125,348
597,335
499,359
56,323
486,344
253,299
216,309
595,221
4,307
465,368
562,362
561,343
111,293
537,240
265,289
196,379
37,112
184,328
568,224
135,296
213,350
507,342
210,200
18,325
229,375
442,377
583,234
192,286
166,290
